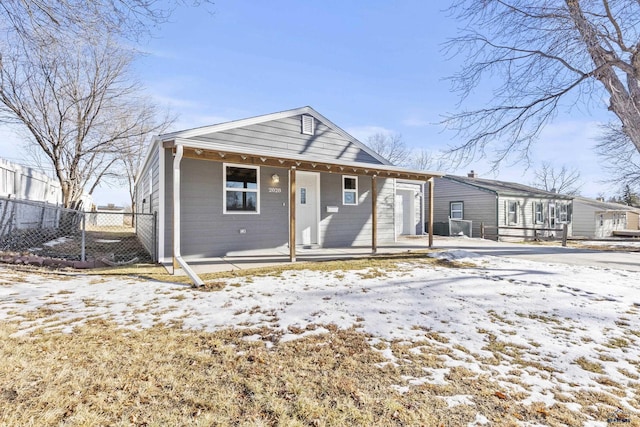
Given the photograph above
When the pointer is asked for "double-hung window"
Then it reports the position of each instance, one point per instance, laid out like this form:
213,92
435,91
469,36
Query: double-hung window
349,190
563,213
538,215
241,188
456,210
512,212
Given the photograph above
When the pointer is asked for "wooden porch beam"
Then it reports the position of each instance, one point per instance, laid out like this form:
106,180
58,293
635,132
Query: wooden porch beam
301,165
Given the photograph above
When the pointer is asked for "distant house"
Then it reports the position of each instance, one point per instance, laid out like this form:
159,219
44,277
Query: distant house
507,209
109,216
599,219
25,183
283,180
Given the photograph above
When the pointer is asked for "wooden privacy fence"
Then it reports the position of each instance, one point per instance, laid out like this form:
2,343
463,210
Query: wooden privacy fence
491,231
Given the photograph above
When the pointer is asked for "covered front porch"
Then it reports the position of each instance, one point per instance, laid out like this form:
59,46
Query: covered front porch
243,260
290,166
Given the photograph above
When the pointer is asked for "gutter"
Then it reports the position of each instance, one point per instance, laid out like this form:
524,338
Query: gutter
177,255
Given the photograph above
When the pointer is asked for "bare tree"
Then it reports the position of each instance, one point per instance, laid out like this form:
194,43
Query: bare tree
564,181
426,160
80,107
38,19
544,54
390,146
619,157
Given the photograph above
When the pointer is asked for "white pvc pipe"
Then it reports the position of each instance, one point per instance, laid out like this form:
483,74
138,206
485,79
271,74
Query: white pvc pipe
176,219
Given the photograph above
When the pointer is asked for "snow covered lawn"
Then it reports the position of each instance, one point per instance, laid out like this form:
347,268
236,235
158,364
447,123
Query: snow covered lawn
562,341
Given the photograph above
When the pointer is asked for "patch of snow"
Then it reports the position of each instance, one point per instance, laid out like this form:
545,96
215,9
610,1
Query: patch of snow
461,399
480,420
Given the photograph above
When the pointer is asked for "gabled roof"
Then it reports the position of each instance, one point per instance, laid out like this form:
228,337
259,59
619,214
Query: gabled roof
606,206
220,127
505,188
198,143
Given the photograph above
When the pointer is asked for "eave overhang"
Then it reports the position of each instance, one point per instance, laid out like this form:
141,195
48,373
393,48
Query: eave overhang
277,158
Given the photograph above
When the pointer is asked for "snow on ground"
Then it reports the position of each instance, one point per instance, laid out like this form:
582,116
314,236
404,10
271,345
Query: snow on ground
568,326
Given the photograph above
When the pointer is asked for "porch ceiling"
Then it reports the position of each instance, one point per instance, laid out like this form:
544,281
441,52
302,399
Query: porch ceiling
221,153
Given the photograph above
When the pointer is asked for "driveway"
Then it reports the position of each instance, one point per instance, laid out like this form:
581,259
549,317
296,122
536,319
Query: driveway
554,254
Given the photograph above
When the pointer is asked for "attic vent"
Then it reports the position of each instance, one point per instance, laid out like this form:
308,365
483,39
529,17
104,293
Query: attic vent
308,125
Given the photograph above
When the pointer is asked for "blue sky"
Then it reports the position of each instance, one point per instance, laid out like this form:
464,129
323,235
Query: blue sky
367,66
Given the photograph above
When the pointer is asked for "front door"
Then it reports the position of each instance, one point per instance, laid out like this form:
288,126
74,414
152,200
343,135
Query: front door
307,207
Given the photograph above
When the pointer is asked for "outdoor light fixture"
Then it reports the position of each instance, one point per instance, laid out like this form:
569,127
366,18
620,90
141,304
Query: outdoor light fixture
198,151
275,178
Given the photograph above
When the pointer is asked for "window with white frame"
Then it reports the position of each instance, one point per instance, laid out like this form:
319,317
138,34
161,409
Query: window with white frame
563,213
538,212
241,188
349,190
512,212
456,210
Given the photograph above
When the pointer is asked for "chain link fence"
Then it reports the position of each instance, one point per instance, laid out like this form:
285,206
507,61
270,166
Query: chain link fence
101,238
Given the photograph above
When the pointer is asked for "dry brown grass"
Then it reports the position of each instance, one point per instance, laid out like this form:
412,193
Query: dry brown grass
104,375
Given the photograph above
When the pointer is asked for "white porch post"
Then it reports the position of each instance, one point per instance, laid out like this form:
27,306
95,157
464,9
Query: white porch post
431,185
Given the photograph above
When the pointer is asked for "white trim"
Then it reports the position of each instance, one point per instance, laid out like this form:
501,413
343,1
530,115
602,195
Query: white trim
225,189
344,190
161,201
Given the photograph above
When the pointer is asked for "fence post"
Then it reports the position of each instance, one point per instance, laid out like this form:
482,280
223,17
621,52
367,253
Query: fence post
482,230
565,231
83,256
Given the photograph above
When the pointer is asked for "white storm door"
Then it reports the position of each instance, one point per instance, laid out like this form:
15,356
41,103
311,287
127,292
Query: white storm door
307,207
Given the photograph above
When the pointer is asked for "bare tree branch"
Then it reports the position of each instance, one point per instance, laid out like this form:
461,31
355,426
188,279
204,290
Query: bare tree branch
390,146
564,181
541,55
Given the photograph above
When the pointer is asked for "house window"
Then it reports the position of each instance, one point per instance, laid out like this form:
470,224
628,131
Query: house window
456,210
512,212
563,213
308,125
349,190
241,187
552,215
538,212
303,196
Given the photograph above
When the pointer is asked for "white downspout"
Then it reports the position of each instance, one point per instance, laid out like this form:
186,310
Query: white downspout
176,219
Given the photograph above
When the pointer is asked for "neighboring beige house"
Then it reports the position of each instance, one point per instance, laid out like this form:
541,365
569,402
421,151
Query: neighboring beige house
600,219
507,209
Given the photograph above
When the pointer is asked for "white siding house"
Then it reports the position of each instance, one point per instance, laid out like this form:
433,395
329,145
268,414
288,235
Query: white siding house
599,219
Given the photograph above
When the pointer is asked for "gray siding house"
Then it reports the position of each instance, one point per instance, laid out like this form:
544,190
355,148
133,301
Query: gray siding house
508,210
282,180
599,219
